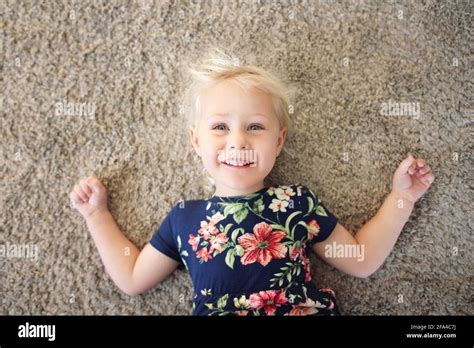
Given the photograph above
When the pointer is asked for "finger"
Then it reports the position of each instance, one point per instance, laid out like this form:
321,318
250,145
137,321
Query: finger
425,170
419,172
428,179
81,193
85,187
406,163
75,197
96,184
412,167
420,163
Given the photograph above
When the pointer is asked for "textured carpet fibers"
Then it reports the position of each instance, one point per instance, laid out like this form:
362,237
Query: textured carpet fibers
96,88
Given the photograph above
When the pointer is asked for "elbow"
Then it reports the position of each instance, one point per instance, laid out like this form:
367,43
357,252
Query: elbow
133,291
364,272
130,291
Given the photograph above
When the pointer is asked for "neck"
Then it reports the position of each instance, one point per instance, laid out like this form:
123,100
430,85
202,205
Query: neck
225,191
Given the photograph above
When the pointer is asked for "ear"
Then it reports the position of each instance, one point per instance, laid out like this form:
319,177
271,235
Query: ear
281,139
194,140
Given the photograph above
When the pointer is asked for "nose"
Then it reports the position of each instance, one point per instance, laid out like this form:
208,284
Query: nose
237,140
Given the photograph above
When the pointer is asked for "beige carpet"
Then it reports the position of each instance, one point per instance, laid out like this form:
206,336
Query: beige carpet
123,61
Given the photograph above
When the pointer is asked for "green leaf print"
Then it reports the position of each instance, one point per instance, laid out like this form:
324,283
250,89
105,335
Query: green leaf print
288,220
232,208
288,271
221,302
305,291
299,223
230,258
179,242
278,227
287,224
235,233
320,211
239,251
227,228
310,204
185,264
239,211
240,215
183,253
258,206
206,292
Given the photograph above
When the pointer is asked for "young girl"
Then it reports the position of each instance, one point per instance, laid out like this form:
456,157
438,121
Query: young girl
246,247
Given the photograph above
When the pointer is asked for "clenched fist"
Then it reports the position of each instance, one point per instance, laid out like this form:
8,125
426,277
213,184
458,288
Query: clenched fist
412,178
89,197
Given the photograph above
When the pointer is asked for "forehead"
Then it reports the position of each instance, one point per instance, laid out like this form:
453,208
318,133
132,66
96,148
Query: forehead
228,97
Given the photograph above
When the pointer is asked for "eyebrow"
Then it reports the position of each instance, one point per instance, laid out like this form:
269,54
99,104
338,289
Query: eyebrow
218,115
227,114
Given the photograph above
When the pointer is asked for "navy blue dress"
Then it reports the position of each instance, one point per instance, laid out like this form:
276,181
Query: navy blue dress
248,255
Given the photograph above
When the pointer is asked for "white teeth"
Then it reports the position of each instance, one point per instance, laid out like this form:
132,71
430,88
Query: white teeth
238,164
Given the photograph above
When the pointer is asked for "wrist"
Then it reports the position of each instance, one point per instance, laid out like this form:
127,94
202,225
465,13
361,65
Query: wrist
98,216
401,200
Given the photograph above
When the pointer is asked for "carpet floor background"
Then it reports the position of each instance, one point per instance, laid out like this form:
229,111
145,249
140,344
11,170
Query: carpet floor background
125,59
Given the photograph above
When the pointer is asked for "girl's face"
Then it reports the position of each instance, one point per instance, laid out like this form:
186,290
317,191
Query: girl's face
239,125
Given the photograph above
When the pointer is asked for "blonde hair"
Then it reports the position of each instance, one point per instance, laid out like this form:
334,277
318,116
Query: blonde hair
219,65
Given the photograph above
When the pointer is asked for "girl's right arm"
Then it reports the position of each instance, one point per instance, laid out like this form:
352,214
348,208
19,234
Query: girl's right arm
133,271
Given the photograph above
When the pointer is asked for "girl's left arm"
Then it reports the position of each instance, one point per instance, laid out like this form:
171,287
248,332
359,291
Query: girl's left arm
362,254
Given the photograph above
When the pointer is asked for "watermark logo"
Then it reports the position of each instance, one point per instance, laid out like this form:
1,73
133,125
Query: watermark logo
32,331
29,251
400,109
246,157
65,108
335,250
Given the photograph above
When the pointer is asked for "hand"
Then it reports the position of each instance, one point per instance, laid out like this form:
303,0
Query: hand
412,179
89,197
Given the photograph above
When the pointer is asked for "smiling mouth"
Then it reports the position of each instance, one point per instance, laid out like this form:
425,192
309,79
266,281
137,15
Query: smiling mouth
238,164
239,159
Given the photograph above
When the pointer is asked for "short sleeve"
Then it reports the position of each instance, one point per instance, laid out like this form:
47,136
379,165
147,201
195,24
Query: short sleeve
164,239
319,219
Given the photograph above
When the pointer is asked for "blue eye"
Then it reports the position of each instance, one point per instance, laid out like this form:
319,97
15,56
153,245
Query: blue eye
219,125
256,125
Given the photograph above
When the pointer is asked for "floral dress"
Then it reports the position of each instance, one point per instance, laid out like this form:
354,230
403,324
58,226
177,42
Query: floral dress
248,255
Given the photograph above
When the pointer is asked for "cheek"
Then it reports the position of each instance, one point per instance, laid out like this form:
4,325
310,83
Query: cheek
206,143
209,154
268,149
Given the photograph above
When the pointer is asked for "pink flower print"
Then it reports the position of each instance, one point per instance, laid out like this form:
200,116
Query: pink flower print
214,219
306,267
278,205
306,308
194,241
204,254
313,229
262,245
269,300
217,241
296,251
207,230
